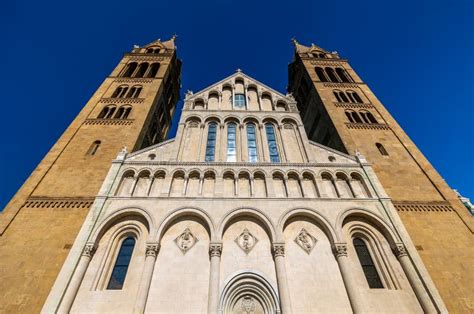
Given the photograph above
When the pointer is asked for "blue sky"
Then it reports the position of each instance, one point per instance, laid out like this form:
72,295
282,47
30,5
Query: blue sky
416,56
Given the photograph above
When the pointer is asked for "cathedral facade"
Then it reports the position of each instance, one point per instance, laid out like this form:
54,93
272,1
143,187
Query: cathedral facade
314,201
241,213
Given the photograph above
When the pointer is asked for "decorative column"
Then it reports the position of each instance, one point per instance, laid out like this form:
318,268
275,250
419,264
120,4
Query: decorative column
76,280
417,285
279,139
151,253
185,185
285,182
351,286
282,281
203,141
264,142
300,185
215,251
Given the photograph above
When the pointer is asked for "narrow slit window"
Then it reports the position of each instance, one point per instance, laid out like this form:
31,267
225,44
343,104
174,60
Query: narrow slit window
117,279
252,143
93,148
368,266
211,142
381,149
272,144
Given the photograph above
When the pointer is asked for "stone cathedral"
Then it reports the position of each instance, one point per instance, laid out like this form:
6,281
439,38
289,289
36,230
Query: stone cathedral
309,201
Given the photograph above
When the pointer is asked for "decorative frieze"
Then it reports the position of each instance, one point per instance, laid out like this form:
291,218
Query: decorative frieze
121,100
367,126
46,202
340,84
350,105
141,80
108,121
423,206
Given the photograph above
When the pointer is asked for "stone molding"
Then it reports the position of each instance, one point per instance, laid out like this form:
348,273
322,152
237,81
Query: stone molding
215,249
341,84
351,105
278,249
134,79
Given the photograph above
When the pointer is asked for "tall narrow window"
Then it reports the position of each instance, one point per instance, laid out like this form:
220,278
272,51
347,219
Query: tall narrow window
272,144
381,149
131,67
367,264
211,142
231,142
332,75
119,272
93,148
343,75
239,101
153,70
321,75
252,143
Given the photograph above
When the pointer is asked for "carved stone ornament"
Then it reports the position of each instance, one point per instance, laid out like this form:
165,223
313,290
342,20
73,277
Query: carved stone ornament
89,250
152,249
278,250
400,250
185,241
246,241
340,250
215,249
248,305
305,240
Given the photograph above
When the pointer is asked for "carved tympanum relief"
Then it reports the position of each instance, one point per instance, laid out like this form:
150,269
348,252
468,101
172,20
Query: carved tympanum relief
246,241
305,240
186,240
248,305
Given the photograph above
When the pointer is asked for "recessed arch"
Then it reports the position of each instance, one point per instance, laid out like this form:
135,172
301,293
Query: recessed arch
181,212
251,212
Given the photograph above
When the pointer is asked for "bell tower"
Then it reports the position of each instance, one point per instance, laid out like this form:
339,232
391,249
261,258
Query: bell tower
339,110
133,107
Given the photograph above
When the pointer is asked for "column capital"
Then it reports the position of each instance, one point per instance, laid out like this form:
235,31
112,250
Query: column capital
340,249
152,249
400,250
89,250
215,249
278,249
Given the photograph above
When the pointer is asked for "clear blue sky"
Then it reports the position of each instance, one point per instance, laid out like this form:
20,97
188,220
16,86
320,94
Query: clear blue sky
416,56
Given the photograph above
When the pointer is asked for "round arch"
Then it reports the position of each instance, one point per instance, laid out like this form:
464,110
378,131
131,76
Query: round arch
247,212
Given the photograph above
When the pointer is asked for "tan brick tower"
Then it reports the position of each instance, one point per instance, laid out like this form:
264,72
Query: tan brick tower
339,110
132,107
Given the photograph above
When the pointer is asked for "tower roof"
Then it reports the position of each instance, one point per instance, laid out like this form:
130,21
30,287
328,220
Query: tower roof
305,49
168,44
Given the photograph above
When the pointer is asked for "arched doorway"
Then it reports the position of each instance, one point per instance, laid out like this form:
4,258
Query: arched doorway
248,293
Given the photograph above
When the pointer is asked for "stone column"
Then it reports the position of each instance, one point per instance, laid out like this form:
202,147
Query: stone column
215,250
282,281
151,252
349,281
417,285
76,280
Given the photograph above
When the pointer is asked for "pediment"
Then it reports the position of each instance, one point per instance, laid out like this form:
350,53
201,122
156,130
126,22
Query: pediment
159,152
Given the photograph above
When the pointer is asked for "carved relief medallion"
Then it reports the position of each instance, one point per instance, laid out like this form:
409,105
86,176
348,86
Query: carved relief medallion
246,241
248,304
305,240
186,240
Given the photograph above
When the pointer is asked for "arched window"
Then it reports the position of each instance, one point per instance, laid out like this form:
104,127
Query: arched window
117,279
353,116
134,92
332,75
321,75
343,75
119,113
211,142
322,56
368,266
272,144
157,50
107,112
149,50
336,94
141,69
381,149
343,97
231,142
349,116
252,143
131,67
153,70
363,114
93,148
354,96
120,92
351,99
371,118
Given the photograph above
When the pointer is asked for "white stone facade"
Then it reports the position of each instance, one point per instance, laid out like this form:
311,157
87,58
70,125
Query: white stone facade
224,229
